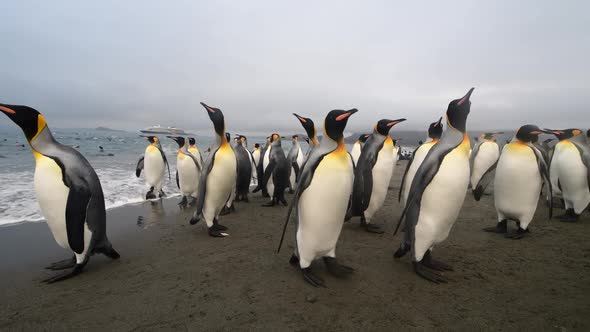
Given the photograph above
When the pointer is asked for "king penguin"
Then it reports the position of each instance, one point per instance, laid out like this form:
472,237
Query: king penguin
260,168
309,127
372,174
519,178
437,193
154,164
69,193
483,161
321,200
355,152
295,159
571,164
188,171
192,148
218,178
244,169
276,172
434,132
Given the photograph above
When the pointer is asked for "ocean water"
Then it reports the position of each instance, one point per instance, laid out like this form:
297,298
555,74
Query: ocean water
18,202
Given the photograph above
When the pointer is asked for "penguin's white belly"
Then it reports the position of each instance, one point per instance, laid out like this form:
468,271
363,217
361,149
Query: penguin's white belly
52,195
356,152
517,184
417,160
487,155
300,158
381,177
256,156
573,176
322,207
188,175
220,182
442,200
153,166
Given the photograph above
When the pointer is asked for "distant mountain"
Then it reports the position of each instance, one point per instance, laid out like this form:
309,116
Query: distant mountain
107,129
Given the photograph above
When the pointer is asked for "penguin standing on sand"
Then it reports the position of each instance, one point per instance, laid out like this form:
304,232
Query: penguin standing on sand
355,152
154,164
188,171
277,171
192,148
244,170
434,132
571,164
69,193
437,193
483,161
519,178
372,174
260,168
321,200
256,154
309,127
218,178
295,159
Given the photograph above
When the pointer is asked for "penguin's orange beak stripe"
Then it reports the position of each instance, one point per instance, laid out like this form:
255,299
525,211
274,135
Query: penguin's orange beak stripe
7,110
301,119
343,116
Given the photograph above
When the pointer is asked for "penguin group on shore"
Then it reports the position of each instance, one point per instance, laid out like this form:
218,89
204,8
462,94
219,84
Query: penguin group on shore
328,184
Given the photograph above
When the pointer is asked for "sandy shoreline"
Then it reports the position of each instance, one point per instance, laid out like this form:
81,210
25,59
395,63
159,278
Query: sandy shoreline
174,276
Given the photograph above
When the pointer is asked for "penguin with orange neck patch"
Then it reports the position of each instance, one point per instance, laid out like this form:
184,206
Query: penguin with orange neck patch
69,193
321,200
372,174
218,178
571,165
519,179
153,163
437,194
483,161
309,127
277,170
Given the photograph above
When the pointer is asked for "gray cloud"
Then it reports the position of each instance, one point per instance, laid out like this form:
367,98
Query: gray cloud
135,63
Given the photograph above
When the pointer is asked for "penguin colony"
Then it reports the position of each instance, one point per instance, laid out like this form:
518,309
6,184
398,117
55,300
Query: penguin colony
329,185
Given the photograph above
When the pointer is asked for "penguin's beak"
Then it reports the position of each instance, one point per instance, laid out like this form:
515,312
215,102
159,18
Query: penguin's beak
438,122
553,132
466,97
7,110
209,109
346,114
394,122
300,118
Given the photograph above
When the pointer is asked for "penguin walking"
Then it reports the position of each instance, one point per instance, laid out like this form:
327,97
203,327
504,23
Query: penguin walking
276,172
372,174
244,170
519,178
434,132
295,159
483,161
321,200
355,152
154,164
218,178
188,171
69,193
437,193
571,165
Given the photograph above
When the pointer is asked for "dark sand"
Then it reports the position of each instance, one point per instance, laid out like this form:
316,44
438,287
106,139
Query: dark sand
173,276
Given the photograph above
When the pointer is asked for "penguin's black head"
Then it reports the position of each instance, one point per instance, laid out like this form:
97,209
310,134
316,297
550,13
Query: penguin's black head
228,137
192,141
151,139
529,133
458,111
564,133
243,139
256,145
363,138
307,124
420,142
491,135
179,140
28,119
435,129
335,123
295,138
217,118
383,126
275,137
475,138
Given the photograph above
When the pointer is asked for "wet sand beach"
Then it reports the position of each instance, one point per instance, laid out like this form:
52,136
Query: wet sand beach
173,276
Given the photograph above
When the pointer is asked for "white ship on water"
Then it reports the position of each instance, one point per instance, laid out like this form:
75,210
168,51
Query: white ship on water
164,131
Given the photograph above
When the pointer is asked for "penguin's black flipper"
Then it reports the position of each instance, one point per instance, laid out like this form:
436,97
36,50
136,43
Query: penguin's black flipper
296,169
203,188
268,172
177,180
474,152
139,167
483,183
165,159
78,199
585,155
401,187
544,171
195,160
363,177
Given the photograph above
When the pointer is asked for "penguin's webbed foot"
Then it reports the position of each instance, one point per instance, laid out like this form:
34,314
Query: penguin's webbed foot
312,279
66,275
225,211
218,227
337,269
569,216
427,274
294,260
431,263
63,264
401,252
372,228
500,228
271,203
194,219
150,195
216,233
519,234
183,202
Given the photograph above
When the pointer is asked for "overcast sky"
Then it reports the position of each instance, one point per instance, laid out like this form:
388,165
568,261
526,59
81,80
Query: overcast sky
131,64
